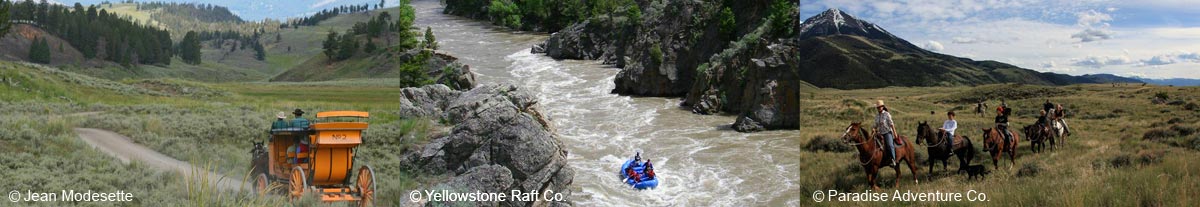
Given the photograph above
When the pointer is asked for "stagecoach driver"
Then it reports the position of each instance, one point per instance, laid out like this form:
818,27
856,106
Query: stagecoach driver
279,122
886,128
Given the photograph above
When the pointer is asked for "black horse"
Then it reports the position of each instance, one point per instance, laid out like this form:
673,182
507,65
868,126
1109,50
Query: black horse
940,148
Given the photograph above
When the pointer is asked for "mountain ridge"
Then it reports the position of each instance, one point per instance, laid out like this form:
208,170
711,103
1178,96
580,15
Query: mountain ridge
844,52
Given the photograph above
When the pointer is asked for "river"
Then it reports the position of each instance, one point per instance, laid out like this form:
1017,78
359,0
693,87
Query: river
699,159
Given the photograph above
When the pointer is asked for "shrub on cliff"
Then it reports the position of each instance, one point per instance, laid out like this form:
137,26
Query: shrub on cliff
656,54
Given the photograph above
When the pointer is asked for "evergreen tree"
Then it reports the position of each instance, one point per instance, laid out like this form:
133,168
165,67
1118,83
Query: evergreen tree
430,41
189,48
330,45
259,53
5,25
407,15
39,51
348,47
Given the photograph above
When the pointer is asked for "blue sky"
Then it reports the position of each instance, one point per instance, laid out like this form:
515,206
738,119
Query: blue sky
254,10
1150,38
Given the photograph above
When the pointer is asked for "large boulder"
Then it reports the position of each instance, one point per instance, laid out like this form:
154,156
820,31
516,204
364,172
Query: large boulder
446,69
426,101
587,40
498,125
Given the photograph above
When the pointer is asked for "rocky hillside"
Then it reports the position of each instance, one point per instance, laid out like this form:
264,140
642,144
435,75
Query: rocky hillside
737,59
757,79
15,46
499,142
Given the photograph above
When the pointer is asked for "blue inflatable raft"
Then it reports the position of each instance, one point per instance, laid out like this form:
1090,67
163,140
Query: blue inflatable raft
640,185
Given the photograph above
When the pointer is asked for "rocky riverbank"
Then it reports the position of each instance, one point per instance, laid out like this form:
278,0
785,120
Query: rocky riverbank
665,48
681,48
499,142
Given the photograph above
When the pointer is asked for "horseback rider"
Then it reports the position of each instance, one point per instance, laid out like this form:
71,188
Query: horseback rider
887,129
1043,122
949,126
1002,122
1059,114
1048,111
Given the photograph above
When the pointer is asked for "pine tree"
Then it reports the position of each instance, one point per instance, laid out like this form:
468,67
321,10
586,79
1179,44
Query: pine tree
39,51
330,45
189,48
348,47
5,25
259,53
430,41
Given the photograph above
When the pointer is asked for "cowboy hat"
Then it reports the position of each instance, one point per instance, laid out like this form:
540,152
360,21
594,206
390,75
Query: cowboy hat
281,115
879,103
298,112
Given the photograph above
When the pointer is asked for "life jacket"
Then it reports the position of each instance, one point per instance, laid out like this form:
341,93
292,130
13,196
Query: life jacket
633,175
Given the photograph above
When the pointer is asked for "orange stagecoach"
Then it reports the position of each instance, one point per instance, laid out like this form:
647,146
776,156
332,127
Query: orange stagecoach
316,160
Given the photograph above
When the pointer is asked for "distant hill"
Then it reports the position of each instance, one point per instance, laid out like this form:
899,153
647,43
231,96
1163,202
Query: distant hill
1171,81
840,51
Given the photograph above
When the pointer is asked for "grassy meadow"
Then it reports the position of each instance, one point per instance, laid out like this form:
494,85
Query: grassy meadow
211,125
1124,150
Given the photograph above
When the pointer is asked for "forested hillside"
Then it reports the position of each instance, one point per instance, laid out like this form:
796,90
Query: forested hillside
97,33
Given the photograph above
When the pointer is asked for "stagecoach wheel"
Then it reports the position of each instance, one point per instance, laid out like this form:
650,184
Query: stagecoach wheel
366,185
262,184
299,184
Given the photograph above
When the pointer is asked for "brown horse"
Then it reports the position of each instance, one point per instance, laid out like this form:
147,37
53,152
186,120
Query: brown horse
939,148
1037,135
870,154
993,142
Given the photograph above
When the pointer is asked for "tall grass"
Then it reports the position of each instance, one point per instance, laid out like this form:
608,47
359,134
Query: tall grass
1106,162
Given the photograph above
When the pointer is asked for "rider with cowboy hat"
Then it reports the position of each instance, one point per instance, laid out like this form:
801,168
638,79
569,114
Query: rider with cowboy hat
886,128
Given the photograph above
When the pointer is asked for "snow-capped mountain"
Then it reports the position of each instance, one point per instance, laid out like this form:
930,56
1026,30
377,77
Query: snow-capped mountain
836,22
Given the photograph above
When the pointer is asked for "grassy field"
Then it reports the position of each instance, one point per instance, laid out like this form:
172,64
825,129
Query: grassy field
1125,150
207,124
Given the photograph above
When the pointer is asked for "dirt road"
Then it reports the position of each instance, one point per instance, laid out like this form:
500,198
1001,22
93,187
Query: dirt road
124,149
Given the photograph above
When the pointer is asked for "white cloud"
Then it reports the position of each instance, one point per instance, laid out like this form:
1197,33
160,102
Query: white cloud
934,46
1088,35
1172,58
322,3
964,40
1089,18
1095,26
1101,61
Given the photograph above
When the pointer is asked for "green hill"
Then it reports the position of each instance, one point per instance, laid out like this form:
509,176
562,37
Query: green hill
302,45
223,60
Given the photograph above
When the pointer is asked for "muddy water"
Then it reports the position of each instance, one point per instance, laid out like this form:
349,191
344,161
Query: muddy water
699,159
